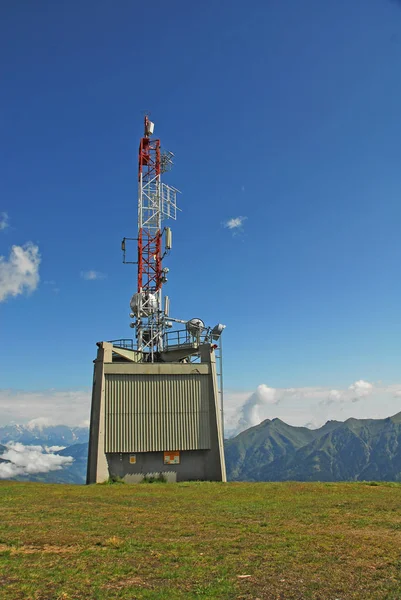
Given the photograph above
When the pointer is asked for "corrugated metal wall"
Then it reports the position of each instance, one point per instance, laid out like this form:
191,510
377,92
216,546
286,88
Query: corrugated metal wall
145,413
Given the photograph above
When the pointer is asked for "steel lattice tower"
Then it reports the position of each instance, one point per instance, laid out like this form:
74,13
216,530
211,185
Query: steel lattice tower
156,202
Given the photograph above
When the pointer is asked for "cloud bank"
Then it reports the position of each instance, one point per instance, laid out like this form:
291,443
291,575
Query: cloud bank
27,460
20,273
309,406
44,408
302,406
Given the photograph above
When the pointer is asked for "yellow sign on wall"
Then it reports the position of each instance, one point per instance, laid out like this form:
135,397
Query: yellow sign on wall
132,459
172,458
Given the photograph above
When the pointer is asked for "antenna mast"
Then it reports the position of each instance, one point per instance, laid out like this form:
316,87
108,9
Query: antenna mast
156,202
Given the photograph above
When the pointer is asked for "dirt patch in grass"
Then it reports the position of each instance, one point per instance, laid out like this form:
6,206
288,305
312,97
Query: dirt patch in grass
126,583
33,549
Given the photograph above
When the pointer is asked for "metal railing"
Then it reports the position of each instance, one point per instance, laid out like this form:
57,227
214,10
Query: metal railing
182,338
126,343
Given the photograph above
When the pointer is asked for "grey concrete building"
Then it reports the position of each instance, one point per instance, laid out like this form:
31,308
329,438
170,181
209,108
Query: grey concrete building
152,418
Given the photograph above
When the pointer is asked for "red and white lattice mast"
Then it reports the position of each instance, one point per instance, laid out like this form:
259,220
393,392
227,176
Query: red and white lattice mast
156,202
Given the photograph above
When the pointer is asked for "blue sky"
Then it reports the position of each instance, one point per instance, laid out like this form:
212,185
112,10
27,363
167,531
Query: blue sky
283,112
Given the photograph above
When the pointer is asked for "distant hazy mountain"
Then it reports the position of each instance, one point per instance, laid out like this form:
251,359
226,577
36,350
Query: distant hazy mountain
77,470
70,473
358,449
74,473
73,440
57,435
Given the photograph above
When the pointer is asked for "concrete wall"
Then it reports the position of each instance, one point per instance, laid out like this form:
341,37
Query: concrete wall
97,464
193,465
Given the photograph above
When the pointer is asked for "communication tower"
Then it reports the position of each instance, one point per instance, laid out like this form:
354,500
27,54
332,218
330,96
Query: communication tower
157,202
157,401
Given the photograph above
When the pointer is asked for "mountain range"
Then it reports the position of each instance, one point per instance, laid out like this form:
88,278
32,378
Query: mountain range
52,435
356,449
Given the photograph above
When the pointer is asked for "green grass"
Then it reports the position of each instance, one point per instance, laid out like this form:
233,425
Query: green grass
194,540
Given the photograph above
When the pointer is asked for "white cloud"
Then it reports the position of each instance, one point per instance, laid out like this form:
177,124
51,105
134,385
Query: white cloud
309,406
92,275
26,460
355,392
20,273
360,389
39,423
235,223
314,424
3,221
50,449
263,396
334,396
70,407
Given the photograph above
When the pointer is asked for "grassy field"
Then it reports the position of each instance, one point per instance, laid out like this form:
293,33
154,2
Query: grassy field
200,540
